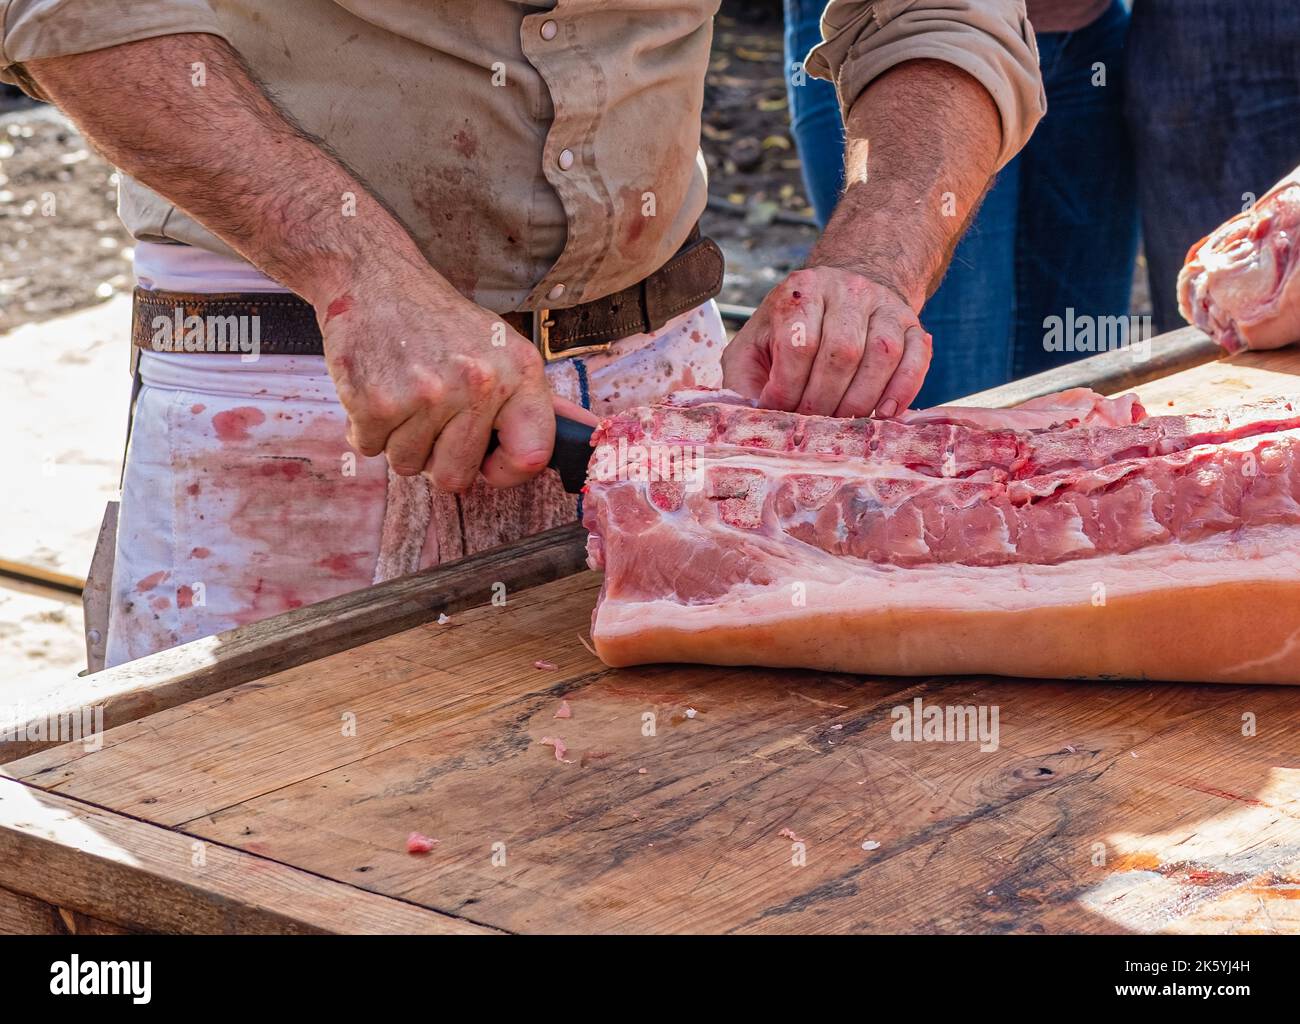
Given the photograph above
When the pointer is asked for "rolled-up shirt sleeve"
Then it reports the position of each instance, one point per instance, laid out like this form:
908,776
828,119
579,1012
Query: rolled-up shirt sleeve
991,40
32,29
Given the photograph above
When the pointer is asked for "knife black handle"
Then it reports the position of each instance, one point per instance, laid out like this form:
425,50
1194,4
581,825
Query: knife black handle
571,455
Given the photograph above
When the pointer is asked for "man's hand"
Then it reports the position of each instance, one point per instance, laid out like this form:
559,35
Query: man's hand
830,342
426,376
841,337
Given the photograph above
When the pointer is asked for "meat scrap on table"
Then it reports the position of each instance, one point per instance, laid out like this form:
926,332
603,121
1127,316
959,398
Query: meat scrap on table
559,745
417,842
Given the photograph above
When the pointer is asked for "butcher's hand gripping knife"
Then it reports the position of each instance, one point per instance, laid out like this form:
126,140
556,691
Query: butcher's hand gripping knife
571,454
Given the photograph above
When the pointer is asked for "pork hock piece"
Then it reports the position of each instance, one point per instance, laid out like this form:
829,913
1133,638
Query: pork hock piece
1072,537
1241,283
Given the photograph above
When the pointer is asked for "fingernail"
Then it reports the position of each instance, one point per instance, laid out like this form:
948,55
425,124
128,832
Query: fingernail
887,408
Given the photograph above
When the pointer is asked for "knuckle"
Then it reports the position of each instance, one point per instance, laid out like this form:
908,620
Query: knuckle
455,481
478,376
403,467
378,412
533,460
842,354
888,345
430,389
368,440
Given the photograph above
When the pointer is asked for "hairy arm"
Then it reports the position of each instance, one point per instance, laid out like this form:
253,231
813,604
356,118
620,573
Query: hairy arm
224,154
921,146
842,336
413,360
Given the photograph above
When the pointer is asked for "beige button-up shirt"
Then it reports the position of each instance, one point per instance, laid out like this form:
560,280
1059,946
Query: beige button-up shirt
532,150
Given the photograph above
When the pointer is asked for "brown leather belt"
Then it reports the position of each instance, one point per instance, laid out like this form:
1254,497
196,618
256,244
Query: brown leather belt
286,324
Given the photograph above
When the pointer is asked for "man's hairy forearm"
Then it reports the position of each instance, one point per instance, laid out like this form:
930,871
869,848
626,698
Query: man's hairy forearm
224,154
922,143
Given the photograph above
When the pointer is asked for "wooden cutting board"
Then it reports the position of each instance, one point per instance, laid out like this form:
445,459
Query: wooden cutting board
1247,378
687,799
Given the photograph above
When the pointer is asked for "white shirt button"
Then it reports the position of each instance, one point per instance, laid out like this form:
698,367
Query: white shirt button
555,292
549,28
566,159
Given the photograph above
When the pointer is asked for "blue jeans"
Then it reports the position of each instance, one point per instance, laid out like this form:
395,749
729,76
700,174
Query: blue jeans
1214,111
815,120
1057,230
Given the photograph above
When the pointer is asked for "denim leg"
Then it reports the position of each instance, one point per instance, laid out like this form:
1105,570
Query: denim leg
1078,221
972,314
1214,108
815,120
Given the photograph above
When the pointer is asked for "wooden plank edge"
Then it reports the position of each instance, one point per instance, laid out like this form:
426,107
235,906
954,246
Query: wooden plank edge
23,915
137,875
211,664
1106,372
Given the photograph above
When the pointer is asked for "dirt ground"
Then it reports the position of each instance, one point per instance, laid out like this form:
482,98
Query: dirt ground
61,244
755,186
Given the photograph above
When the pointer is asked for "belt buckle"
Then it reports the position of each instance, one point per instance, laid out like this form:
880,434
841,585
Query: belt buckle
542,324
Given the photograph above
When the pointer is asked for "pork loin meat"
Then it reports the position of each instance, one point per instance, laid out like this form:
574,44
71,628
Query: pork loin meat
1071,537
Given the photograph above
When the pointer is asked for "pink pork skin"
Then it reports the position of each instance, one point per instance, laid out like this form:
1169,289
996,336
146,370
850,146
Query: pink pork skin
1240,283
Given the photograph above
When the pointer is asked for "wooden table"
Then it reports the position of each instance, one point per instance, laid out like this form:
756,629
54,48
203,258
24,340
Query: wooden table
267,781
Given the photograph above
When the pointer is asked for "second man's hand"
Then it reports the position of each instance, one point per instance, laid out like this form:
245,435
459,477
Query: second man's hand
842,336
830,342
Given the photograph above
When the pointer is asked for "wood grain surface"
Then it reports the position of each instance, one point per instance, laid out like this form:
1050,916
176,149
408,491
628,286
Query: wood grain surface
688,799
215,663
